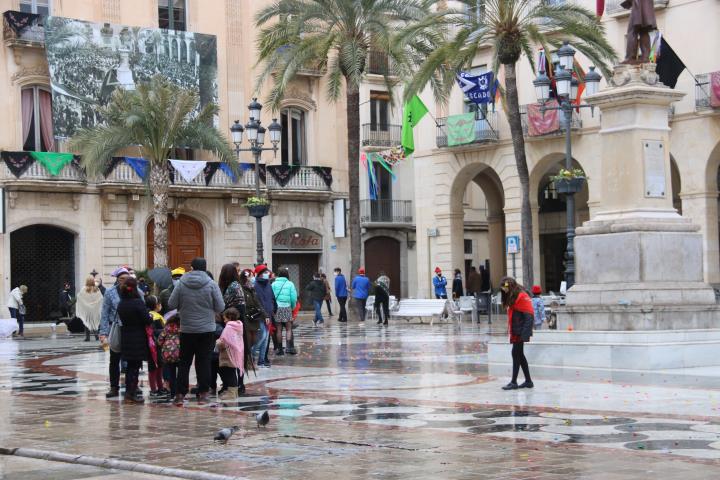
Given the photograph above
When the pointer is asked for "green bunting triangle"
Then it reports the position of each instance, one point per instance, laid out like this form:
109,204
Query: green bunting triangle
52,161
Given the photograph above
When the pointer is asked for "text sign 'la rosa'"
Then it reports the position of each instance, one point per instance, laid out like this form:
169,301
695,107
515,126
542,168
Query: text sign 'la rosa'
297,239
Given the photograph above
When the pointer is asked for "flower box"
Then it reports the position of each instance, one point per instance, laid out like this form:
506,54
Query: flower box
258,211
569,185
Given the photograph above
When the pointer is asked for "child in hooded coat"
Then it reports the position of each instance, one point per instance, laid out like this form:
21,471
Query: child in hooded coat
231,347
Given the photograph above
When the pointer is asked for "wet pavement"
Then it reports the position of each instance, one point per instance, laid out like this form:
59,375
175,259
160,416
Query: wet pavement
365,402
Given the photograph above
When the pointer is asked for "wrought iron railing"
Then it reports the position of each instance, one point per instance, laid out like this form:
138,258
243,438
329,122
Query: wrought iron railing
702,93
575,122
377,135
614,7
23,28
378,63
386,211
485,130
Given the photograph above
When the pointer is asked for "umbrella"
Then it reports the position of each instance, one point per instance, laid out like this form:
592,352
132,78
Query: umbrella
161,276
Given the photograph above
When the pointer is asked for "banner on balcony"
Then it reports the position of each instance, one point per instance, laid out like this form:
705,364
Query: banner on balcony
461,129
52,161
393,156
17,162
542,124
325,173
479,89
282,173
139,165
88,61
715,89
378,159
188,169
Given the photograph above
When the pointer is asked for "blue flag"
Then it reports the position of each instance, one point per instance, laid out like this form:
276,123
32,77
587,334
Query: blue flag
479,89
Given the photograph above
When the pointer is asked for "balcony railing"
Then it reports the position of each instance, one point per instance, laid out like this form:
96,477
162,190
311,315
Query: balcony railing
376,135
36,171
485,131
20,28
306,178
613,7
702,93
575,122
378,63
386,211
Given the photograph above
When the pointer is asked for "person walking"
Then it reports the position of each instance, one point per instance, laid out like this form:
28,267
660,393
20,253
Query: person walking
263,290
520,322
341,292
439,284
108,316
317,293
360,290
286,298
89,307
538,307
382,298
474,282
66,301
134,316
457,286
164,297
328,294
16,305
197,298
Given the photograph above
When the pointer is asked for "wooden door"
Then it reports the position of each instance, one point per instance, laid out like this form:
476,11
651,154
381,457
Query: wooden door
383,254
186,240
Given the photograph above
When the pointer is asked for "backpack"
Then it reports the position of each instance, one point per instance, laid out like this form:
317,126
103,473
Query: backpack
170,347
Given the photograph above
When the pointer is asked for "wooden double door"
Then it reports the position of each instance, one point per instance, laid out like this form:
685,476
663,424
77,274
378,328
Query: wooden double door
382,254
186,240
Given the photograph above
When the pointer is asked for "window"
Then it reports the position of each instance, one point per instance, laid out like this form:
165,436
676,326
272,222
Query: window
379,102
468,247
37,127
171,14
41,7
293,145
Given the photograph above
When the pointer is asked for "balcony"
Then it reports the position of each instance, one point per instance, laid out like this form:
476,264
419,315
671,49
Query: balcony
385,212
378,63
485,131
615,9
702,93
375,135
304,179
22,29
575,123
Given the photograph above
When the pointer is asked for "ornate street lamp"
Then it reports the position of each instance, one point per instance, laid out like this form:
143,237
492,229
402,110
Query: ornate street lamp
256,137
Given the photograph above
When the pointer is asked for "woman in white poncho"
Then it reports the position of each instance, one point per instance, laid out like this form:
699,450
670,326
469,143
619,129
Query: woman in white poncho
88,306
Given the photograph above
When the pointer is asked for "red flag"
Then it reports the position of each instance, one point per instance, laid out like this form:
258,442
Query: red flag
579,74
599,7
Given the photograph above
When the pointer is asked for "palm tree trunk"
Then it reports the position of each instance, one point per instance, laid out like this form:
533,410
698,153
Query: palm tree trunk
159,186
518,140
353,126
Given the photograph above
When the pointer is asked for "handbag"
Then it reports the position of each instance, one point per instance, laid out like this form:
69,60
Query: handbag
114,339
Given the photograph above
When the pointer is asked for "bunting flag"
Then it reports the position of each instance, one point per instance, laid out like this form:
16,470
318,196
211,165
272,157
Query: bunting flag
247,166
479,89
413,111
668,65
380,161
52,161
17,162
393,156
325,173
460,129
229,171
188,169
372,181
599,8
110,166
140,165
209,171
715,89
540,123
282,173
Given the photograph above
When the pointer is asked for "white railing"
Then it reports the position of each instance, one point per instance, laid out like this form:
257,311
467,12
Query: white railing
37,171
305,179
123,173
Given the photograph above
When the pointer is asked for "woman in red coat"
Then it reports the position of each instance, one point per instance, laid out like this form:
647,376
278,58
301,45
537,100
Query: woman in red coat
520,323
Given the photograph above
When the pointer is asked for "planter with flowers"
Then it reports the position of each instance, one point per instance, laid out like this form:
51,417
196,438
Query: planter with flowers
258,207
569,181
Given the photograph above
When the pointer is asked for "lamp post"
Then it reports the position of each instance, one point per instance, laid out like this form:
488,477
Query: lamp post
256,137
567,89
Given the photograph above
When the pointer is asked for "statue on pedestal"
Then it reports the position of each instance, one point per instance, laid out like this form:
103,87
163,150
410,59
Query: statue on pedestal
640,24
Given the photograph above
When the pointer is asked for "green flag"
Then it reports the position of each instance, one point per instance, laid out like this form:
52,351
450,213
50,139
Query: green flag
460,129
53,162
413,111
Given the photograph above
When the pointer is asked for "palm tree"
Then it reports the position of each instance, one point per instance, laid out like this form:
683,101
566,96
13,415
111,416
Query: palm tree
337,36
512,28
154,119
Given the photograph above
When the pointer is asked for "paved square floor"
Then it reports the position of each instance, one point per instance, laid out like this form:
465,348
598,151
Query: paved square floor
361,402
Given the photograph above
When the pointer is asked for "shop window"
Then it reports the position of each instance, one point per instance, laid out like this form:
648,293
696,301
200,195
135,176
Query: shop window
294,144
37,126
171,14
41,7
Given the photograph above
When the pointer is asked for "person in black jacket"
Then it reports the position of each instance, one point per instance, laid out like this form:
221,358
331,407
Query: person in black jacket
457,286
316,292
134,316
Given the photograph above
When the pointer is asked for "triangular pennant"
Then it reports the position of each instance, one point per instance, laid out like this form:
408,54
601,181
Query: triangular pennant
188,169
52,161
325,173
17,162
209,171
140,165
229,171
171,172
110,166
282,173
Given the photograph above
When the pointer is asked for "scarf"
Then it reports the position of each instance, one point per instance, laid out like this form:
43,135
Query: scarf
232,336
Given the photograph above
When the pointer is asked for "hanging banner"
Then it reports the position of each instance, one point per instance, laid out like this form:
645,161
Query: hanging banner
282,173
17,162
479,89
53,162
540,123
461,129
393,156
188,169
110,166
229,171
325,173
139,165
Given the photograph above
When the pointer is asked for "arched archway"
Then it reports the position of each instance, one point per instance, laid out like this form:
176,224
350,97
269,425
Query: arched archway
43,258
382,254
186,240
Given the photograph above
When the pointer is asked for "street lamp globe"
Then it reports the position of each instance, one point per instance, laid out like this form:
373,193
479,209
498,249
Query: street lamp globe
542,87
565,55
563,79
255,109
252,129
574,84
260,136
592,81
236,131
275,132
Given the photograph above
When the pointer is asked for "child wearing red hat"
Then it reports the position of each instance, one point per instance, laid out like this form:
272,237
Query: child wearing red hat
538,306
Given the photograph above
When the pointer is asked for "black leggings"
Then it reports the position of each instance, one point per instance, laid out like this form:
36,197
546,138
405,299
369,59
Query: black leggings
519,361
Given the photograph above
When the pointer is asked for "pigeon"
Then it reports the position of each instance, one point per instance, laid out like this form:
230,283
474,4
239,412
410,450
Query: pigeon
225,434
262,419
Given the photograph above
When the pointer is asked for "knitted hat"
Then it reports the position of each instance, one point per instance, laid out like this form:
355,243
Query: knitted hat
437,270
536,290
361,271
179,271
120,271
260,269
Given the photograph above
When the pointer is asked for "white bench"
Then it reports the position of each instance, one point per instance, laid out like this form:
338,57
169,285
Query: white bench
463,305
423,308
370,305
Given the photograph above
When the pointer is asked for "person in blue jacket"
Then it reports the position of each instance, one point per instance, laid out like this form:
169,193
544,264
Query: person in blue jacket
440,284
360,291
341,292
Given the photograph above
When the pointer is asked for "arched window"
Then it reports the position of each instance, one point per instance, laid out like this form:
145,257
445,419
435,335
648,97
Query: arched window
37,124
294,144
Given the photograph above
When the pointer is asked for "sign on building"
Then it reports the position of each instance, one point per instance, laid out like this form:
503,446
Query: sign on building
294,239
512,244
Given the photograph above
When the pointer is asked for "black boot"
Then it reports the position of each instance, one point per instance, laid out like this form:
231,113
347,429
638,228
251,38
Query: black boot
291,347
87,334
